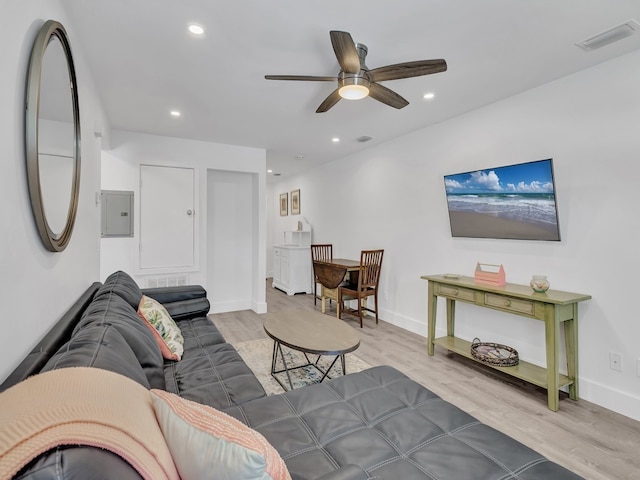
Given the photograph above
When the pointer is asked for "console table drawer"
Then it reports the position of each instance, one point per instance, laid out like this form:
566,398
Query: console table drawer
508,303
457,293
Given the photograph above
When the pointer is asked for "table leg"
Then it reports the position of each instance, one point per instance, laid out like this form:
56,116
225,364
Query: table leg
277,348
325,373
451,317
571,344
432,308
274,357
552,333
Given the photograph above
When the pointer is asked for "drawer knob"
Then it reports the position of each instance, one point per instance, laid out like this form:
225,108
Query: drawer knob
507,303
455,292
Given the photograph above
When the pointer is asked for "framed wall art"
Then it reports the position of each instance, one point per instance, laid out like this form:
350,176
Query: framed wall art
295,202
284,204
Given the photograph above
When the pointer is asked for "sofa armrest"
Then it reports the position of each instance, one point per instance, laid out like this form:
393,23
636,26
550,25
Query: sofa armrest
175,294
188,301
348,472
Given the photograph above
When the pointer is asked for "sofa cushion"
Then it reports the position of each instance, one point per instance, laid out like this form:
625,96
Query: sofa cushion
164,329
122,285
213,375
99,346
112,309
199,333
390,427
206,443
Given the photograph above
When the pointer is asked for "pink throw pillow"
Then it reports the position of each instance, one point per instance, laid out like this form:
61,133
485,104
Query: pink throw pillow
207,443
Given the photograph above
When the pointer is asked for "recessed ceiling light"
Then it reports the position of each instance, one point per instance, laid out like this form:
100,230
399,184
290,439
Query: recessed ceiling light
335,139
429,96
175,113
269,171
196,29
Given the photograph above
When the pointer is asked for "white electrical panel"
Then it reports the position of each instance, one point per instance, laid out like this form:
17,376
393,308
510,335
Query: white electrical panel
117,213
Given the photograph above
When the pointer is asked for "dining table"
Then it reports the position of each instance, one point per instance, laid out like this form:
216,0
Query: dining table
351,269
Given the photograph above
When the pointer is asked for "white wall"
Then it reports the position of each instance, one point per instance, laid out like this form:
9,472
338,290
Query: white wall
38,286
121,171
588,123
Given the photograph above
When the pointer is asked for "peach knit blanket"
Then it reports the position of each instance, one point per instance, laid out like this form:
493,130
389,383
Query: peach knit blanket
82,406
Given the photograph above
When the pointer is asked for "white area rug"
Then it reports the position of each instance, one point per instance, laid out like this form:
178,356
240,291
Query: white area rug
257,355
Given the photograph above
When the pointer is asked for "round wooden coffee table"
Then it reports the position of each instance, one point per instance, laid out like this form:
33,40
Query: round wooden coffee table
309,332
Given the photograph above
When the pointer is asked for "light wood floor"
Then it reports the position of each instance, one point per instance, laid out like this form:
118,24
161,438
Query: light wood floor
589,440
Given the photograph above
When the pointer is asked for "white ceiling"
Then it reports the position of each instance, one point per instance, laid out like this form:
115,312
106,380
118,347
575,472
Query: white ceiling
145,63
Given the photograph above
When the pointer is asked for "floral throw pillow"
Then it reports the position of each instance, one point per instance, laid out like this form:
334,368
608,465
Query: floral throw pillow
163,327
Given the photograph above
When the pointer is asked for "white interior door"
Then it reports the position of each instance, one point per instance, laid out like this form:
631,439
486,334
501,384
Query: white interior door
167,217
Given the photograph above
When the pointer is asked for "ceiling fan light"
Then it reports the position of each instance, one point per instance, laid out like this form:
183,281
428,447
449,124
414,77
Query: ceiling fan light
353,87
353,92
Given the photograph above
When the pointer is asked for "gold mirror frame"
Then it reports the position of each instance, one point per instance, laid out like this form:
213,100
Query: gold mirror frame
53,241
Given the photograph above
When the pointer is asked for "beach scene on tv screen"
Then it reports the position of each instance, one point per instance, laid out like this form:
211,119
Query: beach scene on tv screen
513,202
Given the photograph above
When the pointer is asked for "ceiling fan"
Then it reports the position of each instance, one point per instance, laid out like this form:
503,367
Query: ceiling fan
356,81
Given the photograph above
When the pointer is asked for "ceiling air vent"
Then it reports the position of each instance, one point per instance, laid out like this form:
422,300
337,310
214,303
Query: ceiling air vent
364,138
611,35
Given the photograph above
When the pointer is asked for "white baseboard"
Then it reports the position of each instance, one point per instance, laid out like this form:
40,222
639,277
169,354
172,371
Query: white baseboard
610,398
259,307
406,323
594,392
234,306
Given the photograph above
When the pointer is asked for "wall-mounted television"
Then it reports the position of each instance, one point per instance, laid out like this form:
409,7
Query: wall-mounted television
512,202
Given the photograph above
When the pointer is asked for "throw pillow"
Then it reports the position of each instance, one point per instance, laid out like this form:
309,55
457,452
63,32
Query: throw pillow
207,443
164,329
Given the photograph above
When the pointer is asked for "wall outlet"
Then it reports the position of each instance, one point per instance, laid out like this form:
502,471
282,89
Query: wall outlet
615,361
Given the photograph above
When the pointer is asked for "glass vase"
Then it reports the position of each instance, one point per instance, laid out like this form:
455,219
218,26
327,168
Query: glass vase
539,283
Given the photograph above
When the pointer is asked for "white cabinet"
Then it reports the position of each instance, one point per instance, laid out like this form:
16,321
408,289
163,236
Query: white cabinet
292,269
292,263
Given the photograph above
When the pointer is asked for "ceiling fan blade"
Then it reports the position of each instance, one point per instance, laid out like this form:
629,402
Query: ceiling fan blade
345,50
330,101
384,95
408,70
307,78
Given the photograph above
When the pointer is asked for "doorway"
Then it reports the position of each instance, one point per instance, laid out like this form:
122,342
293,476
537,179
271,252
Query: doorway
231,242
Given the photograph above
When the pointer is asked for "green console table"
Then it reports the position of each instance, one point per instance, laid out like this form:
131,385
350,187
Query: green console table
554,308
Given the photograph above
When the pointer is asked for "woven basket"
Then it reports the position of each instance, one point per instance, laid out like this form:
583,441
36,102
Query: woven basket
494,353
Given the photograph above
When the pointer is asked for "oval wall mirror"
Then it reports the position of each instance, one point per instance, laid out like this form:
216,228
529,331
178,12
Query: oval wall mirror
53,136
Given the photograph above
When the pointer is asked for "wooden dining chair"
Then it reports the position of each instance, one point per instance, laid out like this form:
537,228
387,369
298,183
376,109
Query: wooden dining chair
321,252
366,286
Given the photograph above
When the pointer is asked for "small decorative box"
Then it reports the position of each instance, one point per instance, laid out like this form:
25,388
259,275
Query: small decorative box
490,274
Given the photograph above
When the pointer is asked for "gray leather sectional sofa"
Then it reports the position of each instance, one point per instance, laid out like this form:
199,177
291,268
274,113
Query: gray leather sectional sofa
373,424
